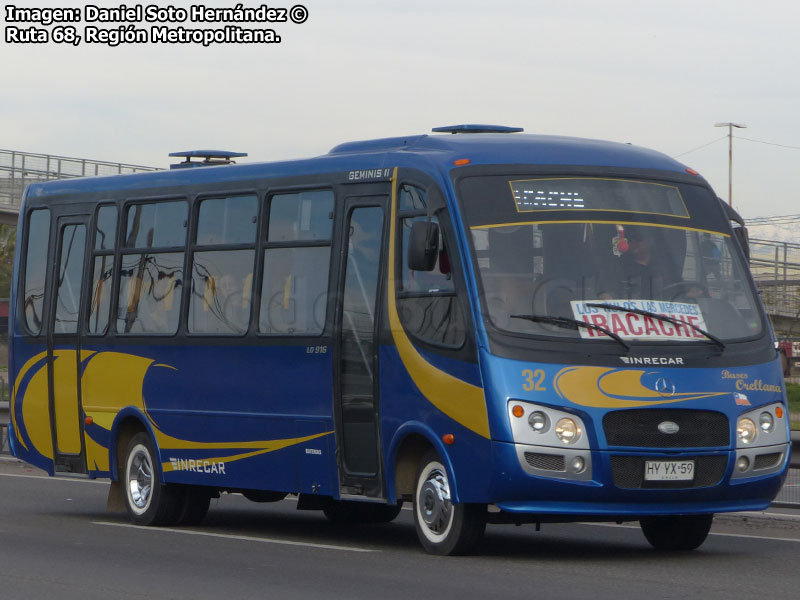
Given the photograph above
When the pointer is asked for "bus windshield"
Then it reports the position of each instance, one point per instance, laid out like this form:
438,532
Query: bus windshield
643,261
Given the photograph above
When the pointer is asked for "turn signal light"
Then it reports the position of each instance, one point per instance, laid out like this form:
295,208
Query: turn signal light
461,161
88,420
449,439
779,412
517,411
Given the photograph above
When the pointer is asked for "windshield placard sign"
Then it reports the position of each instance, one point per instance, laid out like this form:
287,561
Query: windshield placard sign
633,326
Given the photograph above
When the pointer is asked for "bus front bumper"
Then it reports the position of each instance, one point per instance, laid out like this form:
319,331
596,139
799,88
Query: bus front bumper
616,483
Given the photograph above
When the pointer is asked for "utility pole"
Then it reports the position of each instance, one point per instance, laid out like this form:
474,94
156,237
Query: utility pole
730,127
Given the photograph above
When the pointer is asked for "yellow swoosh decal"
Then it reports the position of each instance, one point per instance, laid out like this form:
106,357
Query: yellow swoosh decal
271,446
459,400
15,388
601,387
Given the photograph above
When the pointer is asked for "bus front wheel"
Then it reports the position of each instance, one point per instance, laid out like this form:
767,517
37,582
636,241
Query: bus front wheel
676,532
147,500
442,526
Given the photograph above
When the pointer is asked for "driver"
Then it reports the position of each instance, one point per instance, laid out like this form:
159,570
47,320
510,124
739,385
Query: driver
637,273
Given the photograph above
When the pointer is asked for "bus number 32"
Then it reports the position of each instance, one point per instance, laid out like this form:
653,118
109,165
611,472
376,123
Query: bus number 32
534,380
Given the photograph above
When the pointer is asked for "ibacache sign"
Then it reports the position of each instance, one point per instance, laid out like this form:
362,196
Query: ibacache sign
630,325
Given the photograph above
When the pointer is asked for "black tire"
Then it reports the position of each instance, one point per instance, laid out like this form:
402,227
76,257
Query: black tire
444,527
261,496
147,500
347,511
194,506
679,533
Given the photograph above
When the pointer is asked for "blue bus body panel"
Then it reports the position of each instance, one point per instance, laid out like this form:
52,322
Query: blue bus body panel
590,395
402,401
233,416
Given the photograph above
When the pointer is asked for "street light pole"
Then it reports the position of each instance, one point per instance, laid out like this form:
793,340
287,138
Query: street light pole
730,127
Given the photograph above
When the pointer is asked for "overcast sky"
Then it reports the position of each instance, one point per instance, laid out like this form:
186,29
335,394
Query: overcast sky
655,73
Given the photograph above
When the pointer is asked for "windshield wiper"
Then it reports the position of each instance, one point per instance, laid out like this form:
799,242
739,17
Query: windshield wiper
575,324
646,313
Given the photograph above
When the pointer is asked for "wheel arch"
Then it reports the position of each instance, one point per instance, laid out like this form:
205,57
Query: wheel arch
408,445
128,422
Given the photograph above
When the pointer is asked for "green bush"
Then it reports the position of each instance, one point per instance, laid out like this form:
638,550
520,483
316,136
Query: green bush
793,392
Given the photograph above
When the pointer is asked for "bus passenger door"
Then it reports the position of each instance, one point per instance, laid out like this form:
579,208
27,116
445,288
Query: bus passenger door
356,359
63,341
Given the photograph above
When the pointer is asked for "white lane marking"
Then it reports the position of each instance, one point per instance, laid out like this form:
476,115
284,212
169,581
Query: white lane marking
756,537
48,478
736,535
764,515
246,538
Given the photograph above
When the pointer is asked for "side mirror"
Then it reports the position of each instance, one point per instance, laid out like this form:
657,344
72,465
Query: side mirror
737,223
423,246
741,235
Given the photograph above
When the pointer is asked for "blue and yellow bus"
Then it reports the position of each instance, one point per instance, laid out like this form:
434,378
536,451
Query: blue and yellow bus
493,326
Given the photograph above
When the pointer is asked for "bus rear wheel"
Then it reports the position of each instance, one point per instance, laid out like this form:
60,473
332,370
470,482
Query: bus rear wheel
147,500
677,532
194,505
444,527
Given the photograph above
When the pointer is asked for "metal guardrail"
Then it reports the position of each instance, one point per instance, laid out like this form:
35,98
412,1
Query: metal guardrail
18,169
776,269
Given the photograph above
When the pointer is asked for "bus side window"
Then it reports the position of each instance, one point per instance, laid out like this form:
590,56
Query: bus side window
297,252
151,282
222,271
426,300
103,269
36,268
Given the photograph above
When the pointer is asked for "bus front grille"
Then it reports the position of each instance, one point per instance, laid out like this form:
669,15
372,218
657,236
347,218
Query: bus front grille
639,428
546,462
628,473
767,461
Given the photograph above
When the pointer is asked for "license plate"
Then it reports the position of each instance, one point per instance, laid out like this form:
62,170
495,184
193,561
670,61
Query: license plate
669,470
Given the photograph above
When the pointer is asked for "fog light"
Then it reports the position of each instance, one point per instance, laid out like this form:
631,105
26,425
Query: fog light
538,421
746,430
577,464
766,422
567,431
743,464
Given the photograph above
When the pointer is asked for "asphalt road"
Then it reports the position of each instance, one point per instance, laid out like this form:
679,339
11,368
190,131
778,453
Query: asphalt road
58,542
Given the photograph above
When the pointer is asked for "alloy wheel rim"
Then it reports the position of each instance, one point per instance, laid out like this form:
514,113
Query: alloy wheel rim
140,480
435,507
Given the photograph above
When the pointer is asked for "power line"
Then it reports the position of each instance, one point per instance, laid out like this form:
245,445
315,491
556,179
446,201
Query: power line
738,137
774,220
767,143
700,147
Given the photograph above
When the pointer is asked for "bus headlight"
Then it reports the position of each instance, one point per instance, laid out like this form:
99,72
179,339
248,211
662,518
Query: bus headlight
766,422
538,421
568,431
746,430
